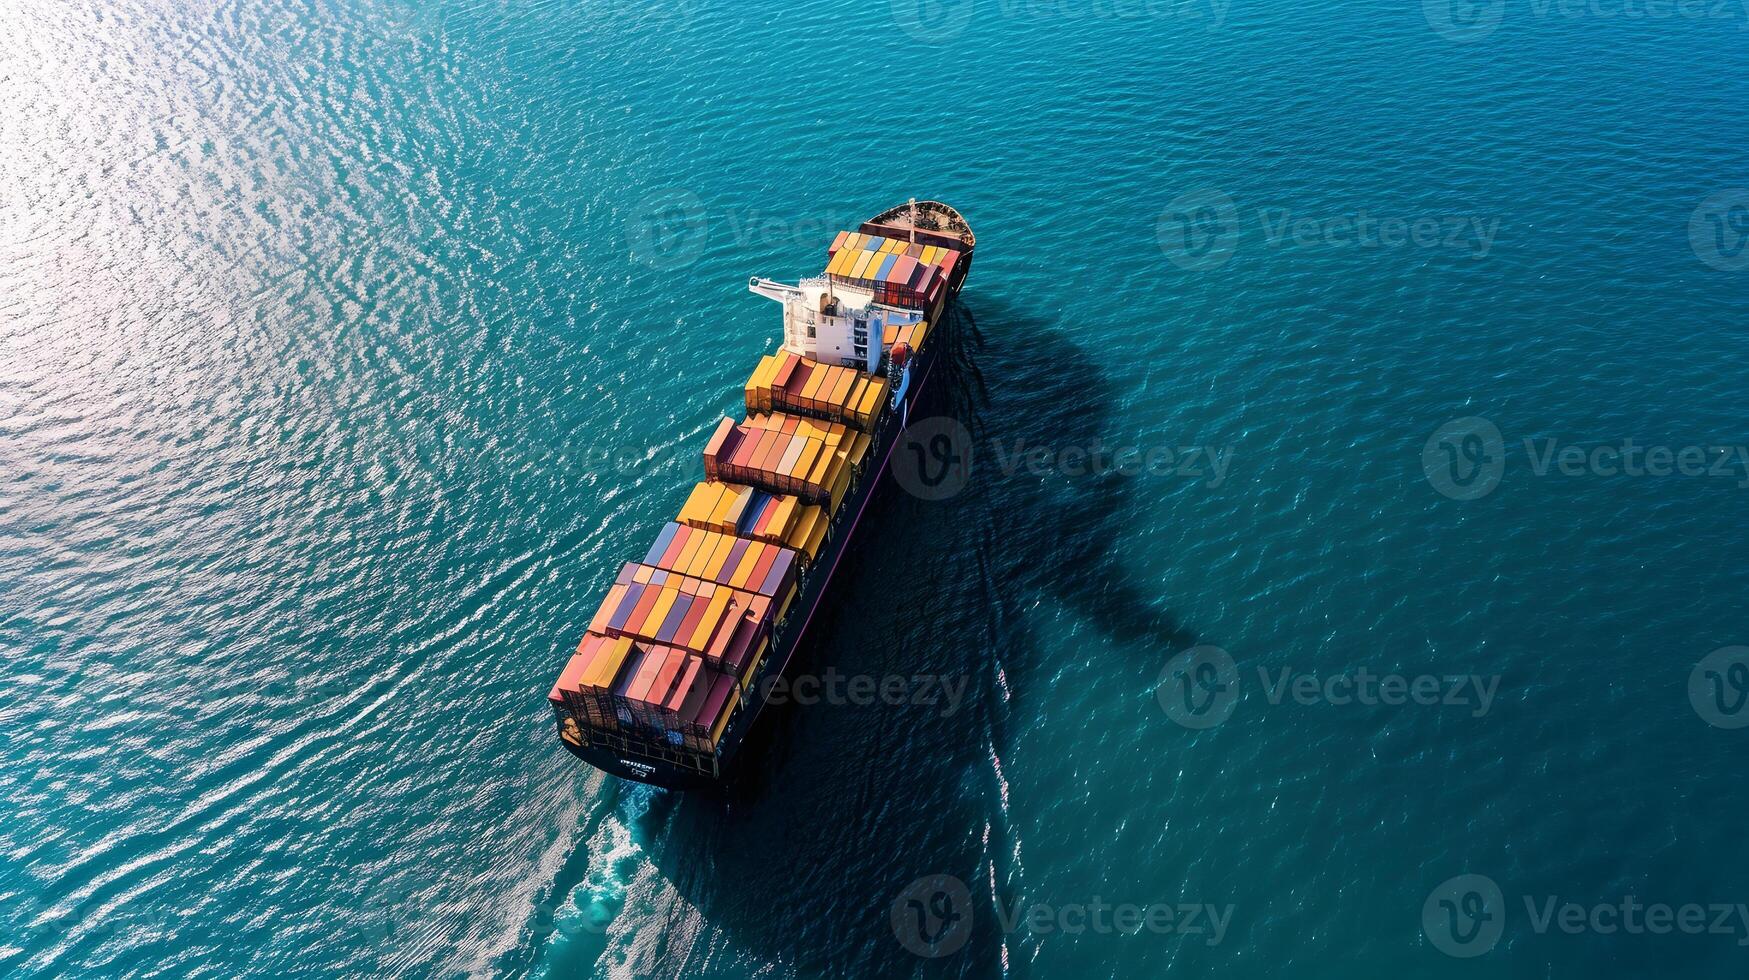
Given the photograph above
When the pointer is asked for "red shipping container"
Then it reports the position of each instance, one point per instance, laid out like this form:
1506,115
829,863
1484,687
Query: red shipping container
665,678
684,686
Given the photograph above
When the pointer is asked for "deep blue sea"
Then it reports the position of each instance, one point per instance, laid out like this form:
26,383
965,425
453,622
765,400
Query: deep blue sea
348,346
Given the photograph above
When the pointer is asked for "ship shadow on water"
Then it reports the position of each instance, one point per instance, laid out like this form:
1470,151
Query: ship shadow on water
844,802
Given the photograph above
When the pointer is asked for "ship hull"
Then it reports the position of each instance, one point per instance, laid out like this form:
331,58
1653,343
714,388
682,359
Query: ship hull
789,635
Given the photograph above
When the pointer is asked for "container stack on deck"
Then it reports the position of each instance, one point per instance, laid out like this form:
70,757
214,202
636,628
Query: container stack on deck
733,508
787,454
789,382
900,274
681,635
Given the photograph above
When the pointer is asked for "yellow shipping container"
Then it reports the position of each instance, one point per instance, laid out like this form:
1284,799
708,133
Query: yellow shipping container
759,385
685,557
840,485
720,514
805,459
873,394
811,389
713,615
719,554
728,712
606,666
801,536
752,668
699,503
658,612
859,448
783,516
692,559
817,536
841,390
822,465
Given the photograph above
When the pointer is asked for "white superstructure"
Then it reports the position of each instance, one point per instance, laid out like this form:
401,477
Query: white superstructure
833,323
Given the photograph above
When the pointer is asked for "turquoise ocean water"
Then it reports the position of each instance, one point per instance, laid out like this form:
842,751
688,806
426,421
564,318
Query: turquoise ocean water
347,347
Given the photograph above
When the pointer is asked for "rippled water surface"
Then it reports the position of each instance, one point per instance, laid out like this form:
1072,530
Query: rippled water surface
347,347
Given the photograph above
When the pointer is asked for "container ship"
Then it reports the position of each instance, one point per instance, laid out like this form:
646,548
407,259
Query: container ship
674,668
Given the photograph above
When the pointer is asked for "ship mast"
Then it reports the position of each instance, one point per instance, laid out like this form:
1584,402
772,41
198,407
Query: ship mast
913,222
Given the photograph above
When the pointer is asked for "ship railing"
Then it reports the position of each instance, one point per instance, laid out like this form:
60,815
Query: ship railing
638,749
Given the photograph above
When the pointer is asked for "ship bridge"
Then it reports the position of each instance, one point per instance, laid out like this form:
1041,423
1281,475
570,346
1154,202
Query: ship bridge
833,323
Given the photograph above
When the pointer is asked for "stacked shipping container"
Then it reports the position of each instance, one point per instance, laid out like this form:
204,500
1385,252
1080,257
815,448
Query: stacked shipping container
899,273
789,382
787,454
749,512
911,335
679,637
